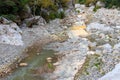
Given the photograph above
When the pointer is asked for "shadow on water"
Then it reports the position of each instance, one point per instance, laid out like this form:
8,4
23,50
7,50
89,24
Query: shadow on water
33,71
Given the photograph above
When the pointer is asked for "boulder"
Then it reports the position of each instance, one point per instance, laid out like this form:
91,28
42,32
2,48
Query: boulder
38,20
4,20
77,31
100,4
10,34
23,64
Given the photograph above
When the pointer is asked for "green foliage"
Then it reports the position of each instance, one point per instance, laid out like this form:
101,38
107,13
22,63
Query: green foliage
45,3
52,15
9,16
87,2
23,2
11,8
48,9
111,3
96,8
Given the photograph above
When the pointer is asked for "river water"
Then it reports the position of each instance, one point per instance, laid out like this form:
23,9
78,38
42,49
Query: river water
34,62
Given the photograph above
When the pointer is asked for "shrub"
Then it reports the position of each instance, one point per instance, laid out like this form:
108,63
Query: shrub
48,9
111,3
9,16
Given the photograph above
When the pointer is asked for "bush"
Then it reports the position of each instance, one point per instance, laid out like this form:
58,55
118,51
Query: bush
96,8
9,17
48,9
111,3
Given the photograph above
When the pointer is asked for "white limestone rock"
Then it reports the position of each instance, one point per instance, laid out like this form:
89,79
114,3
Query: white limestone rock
108,16
74,51
117,46
10,34
77,5
100,4
95,26
113,75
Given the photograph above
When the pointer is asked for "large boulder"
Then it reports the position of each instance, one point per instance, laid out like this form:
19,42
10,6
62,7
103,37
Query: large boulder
10,33
100,4
29,22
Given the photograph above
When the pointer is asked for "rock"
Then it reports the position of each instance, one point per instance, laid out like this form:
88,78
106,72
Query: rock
55,26
108,16
77,5
92,46
73,51
34,20
117,46
90,53
100,4
23,64
77,27
4,21
71,4
38,53
112,75
95,26
49,59
33,39
77,33
107,48
10,34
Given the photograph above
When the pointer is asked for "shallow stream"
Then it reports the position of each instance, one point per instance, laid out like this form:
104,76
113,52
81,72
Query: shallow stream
34,62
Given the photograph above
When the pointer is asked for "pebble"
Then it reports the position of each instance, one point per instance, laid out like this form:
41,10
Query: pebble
49,59
23,64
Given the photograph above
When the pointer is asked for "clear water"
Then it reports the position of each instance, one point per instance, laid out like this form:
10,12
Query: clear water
34,61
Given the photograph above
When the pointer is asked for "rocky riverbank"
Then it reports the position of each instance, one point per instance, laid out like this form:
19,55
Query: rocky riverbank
17,43
87,41
92,48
